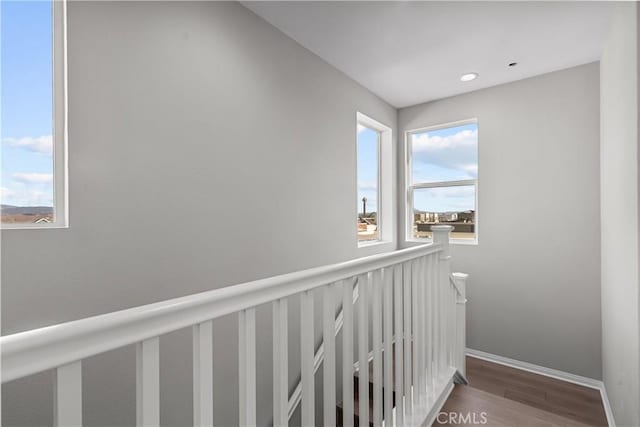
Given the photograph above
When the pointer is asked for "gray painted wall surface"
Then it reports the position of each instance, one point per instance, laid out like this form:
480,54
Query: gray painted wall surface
206,149
534,286
619,183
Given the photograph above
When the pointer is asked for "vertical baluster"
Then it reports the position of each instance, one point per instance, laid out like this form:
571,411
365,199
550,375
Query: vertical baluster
445,324
68,395
399,329
415,329
347,353
148,382
449,323
438,320
460,279
329,369
203,374
429,308
445,312
422,323
363,350
307,350
376,315
421,329
425,322
445,321
247,366
450,332
388,344
408,399
447,338
452,340
280,364
442,289
422,319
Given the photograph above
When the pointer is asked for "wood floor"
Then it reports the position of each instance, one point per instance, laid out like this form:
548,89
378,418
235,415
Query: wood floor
503,396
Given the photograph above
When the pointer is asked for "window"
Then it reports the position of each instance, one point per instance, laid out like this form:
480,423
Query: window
443,180
33,136
368,182
374,181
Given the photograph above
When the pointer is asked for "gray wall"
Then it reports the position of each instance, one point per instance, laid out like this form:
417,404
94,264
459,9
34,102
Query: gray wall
619,183
534,286
206,149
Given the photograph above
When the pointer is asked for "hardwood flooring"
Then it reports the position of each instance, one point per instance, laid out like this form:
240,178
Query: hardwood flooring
510,397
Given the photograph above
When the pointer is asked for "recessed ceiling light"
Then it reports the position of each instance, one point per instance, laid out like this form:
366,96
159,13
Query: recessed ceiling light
468,77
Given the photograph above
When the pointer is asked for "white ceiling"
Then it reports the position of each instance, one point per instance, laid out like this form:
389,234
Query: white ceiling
412,52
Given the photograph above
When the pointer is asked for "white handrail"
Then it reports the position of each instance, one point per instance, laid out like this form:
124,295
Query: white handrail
34,351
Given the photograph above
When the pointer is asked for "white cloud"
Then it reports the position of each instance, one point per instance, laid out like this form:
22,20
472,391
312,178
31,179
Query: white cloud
367,186
33,178
444,199
6,192
457,151
464,191
25,197
41,144
465,138
472,169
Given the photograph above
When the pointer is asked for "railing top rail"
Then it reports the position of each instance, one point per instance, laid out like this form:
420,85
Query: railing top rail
34,351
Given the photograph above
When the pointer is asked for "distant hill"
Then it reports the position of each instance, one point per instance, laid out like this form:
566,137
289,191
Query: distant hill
418,211
26,210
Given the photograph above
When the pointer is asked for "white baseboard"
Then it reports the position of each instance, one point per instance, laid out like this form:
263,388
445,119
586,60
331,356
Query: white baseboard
548,372
536,369
607,406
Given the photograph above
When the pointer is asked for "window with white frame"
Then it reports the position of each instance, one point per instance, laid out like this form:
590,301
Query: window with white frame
442,180
374,169
33,191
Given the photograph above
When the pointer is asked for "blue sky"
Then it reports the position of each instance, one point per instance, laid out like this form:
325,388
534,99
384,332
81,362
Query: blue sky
367,168
26,85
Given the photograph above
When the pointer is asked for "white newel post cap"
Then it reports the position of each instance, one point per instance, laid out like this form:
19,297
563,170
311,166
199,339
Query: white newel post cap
441,236
442,227
441,232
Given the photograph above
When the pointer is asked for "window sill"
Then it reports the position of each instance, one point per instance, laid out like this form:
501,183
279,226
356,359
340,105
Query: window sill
32,226
368,244
375,247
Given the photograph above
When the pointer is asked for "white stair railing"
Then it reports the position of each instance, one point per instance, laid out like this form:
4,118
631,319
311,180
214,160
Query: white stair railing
408,298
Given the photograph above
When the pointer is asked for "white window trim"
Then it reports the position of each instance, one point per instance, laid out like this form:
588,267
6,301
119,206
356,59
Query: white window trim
410,186
385,209
60,125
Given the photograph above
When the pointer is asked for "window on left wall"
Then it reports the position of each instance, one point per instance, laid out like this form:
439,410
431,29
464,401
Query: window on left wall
374,195
33,180
368,183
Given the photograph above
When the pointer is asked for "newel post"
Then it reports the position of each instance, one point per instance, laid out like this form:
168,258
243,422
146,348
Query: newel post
456,341
441,236
445,311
